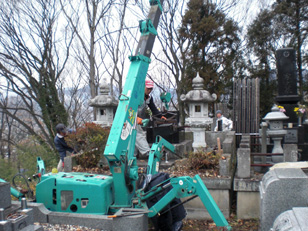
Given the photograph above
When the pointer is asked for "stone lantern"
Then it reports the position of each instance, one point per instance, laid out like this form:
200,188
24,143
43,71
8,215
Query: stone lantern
105,106
198,120
275,119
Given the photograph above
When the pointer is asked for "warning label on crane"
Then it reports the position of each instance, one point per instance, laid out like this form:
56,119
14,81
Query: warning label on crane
127,127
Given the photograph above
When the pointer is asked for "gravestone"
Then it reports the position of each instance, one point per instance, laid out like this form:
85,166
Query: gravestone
281,189
287,82
290,153
292,220
5,198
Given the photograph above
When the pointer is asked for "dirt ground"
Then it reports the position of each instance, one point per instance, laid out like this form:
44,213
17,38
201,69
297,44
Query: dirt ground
236,225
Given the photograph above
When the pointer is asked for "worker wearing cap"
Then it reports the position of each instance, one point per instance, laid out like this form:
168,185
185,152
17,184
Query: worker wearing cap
141,141
61,145
222,123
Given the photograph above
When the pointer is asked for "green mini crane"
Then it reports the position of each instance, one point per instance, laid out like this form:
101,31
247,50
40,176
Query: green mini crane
100,194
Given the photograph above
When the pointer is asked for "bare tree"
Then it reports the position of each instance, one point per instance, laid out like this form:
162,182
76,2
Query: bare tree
92,13
33,56
118,43
174,49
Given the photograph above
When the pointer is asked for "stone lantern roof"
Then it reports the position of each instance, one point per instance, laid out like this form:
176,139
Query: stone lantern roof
103,99
198,94
275,114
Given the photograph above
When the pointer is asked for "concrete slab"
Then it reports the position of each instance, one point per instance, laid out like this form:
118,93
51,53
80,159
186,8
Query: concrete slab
131,223
86,220
33,228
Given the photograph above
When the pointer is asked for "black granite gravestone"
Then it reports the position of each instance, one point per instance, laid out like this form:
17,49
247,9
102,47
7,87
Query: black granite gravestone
287,82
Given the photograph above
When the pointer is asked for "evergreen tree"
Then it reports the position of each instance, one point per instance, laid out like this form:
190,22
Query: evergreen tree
214,46
291,22
261,42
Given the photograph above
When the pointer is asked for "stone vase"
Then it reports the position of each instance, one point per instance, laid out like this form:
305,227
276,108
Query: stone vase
299,121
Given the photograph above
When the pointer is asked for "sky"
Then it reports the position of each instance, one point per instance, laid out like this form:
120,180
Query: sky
247,10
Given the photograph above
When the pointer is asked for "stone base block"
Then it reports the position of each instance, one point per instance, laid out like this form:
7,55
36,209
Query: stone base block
196,210
248,198
248,205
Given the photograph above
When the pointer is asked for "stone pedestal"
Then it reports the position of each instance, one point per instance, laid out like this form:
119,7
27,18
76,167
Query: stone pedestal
199,138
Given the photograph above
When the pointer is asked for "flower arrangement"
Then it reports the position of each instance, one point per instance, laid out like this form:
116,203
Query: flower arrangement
281,109
300,110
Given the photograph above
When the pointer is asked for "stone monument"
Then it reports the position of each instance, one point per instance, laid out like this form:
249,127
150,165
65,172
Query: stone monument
198,120
287,82
105,105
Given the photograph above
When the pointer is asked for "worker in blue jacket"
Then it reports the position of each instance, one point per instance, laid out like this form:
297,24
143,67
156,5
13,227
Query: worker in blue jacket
61,145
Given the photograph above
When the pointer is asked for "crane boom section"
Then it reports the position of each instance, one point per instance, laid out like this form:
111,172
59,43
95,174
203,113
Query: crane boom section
121,141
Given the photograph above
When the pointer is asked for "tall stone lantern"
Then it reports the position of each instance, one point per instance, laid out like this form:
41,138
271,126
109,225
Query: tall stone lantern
198,120
105,106
276,132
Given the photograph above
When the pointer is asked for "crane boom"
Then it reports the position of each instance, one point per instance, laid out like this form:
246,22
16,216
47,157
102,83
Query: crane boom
120,145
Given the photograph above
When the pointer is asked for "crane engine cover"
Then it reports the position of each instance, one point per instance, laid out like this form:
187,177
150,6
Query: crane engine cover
76,192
